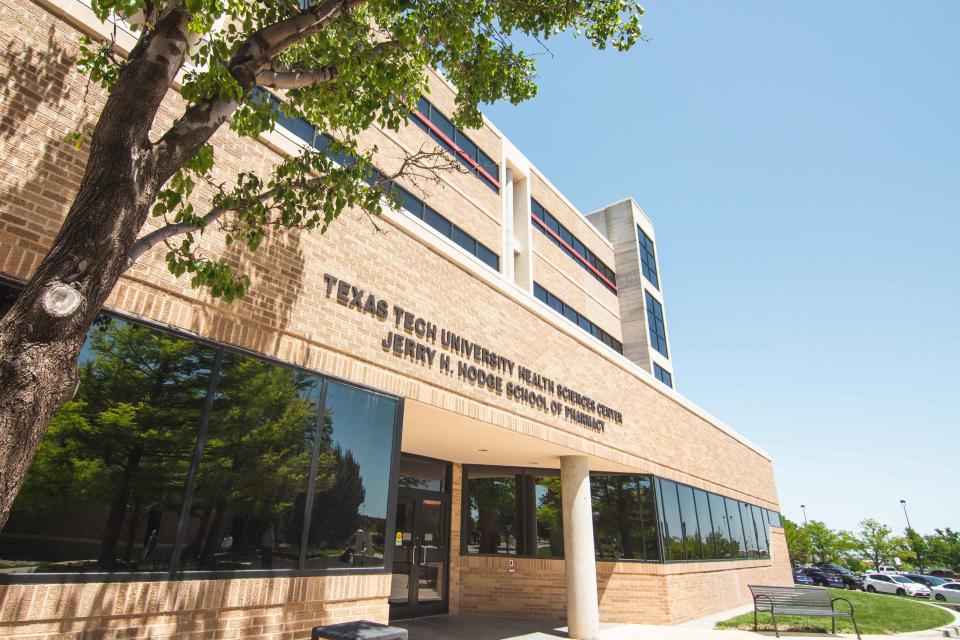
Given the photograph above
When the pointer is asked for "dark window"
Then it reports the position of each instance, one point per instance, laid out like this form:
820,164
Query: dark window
749,530
465,240
763,546
353,474
115,460
307,132
738,543
549,517
444,133
658,332
105,489
707,539
488,257
624,518
247,512
648,258
721,527
662,375
688,516
671,529
775,519
548,225
421,473
575,317
494,520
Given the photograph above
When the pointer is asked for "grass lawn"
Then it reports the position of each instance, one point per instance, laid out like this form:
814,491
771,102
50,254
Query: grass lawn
876,613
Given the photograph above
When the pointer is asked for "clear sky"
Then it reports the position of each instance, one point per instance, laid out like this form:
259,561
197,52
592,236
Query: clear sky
801,163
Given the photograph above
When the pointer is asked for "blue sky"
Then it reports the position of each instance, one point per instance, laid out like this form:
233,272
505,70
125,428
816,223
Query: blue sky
801,163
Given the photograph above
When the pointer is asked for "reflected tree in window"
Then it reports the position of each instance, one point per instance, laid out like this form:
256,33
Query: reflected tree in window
493,509
549,517
254,470
113,460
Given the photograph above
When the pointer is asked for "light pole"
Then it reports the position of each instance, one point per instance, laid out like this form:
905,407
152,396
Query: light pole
804,507
903,503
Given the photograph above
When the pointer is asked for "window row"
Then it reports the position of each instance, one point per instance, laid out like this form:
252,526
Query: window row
178,456
443,132
699,525
662,375
576,317
424,212
549,226
648,258
658,331
320,141
517,511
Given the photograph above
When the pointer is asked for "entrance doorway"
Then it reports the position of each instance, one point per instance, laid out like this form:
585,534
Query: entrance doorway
421,551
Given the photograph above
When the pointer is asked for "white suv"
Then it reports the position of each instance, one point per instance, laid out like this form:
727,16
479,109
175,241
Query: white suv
886,583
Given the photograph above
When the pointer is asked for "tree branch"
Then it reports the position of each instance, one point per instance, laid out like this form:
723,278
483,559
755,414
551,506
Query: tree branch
295,79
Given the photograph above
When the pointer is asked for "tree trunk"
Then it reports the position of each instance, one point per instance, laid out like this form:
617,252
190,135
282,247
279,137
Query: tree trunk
39,346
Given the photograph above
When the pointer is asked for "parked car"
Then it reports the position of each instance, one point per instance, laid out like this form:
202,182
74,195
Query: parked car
799,577
886,583
945,573
824,579
946,592
850,579
930,581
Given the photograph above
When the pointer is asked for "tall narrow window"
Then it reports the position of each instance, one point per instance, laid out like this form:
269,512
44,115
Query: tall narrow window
658,332
671,529
648,258
721,527
738,546
691,529
707,539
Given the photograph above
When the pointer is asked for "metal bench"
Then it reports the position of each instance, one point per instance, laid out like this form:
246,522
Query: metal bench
359,630
798,601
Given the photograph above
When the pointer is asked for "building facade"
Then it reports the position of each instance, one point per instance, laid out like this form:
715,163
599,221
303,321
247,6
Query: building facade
468,409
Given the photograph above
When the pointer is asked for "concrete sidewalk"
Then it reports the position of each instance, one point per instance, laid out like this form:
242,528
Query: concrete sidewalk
461,627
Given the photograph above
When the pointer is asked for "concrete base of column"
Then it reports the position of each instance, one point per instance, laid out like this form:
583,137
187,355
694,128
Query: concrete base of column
583,614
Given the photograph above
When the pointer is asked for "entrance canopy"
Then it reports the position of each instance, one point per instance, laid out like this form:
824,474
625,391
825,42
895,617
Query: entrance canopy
446,435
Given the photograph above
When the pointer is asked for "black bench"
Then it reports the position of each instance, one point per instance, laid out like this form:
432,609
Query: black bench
359,630
798,601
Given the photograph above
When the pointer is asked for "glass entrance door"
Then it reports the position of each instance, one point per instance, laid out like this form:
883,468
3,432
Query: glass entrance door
420,555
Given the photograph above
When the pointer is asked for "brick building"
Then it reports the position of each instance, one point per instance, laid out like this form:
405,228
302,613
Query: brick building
469,410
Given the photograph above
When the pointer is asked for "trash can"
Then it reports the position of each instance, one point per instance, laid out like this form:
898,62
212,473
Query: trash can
359,630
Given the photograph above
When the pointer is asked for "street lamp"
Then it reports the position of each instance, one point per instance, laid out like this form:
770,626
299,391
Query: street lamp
903,503
804,507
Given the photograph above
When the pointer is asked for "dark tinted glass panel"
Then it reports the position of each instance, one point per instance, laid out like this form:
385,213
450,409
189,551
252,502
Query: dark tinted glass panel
348,522
775,519
571,245
549,518
738,543
648,258
410,202
467,146
763,547
464,240
658,334
721,527
540,293
620,513
662,375
443,124
494,518
670,523
648,512
247,512
688,515
488,257
447,135
573,316
707,539
418,473
749,531
105,489
436,221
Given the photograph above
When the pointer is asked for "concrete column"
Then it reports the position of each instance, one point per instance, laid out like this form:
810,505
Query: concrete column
583,614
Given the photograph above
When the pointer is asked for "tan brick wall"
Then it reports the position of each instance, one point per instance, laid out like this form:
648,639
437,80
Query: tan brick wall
272,608
637,592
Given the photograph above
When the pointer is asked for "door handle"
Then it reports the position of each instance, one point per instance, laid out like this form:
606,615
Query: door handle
423,556
413,554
